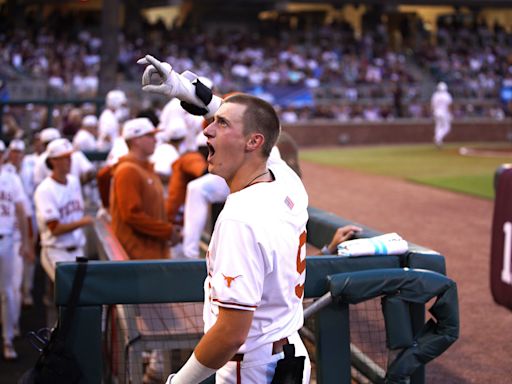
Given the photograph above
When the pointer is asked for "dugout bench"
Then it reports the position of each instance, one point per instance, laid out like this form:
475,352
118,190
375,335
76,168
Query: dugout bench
168,281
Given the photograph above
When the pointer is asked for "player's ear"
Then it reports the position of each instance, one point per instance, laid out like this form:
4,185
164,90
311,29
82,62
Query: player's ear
255,141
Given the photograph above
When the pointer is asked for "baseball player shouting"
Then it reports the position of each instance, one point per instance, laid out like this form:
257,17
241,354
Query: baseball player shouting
60,209
11,210
256,257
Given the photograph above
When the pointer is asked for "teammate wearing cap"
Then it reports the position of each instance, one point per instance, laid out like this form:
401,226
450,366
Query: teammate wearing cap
81,167
60,209
12,210
85,138
115,113
136,196
441,109
256,257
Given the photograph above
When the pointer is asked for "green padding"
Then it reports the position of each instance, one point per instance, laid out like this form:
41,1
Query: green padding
156,281
125,282
319,267
431,261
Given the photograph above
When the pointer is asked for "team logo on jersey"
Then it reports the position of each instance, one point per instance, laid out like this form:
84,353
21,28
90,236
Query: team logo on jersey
289,202
230,279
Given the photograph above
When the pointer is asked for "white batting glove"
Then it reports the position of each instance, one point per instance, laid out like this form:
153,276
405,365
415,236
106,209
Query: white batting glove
181,86
169,379
172,84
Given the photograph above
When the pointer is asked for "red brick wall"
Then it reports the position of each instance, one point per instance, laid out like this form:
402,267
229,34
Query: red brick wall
323,133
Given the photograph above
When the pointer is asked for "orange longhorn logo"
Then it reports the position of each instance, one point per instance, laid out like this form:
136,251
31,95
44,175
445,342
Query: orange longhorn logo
230,279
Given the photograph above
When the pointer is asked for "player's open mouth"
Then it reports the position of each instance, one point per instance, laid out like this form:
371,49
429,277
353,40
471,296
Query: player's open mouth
211,150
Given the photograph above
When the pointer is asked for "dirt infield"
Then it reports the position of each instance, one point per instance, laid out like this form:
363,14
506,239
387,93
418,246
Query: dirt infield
457,226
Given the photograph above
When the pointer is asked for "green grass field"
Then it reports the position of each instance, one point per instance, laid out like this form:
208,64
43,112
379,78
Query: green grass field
425,164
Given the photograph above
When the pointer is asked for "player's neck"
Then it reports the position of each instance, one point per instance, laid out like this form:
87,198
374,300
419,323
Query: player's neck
248,176
60,178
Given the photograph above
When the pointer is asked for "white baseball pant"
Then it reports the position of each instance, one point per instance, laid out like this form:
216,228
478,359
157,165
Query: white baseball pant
8,301
50,256
442,128
258,366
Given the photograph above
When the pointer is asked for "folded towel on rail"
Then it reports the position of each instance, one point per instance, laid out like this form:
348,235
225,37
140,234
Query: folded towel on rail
387,244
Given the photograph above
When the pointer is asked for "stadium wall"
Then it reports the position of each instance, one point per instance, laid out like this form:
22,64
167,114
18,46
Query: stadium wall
325,133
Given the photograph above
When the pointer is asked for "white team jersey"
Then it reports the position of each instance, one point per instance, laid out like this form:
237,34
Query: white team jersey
10,168
64,203
11,193
108,129
80,165
163,158
256,257
84,141
440,103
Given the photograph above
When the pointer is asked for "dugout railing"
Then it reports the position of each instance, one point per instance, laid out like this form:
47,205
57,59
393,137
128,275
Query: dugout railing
138,282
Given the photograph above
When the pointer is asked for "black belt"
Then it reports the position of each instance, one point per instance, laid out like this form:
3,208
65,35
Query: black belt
277,347
67,249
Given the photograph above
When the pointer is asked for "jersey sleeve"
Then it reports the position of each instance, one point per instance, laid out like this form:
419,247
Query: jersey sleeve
239,268
45,204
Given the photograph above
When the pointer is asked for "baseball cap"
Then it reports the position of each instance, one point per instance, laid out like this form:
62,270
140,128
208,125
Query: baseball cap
90,121
59,148
138,127
17,145
49,134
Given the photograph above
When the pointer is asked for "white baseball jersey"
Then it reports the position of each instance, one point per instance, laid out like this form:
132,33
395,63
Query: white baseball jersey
256,257
84,141
440,102
108,129
11,193
56,201
80,165
10,168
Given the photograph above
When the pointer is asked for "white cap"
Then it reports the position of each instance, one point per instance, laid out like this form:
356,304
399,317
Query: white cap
17,145
176,129
2,146
90,121
58,148
49,134
115,99
442,86
138,127
201,139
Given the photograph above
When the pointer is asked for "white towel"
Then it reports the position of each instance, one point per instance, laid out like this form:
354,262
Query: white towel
387,244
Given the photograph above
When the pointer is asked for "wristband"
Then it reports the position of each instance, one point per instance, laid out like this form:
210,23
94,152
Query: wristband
193,372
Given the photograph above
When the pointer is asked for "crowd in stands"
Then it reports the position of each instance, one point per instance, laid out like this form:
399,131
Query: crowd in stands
344,76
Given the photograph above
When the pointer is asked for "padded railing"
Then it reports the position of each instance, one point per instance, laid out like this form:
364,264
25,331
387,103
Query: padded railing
167,281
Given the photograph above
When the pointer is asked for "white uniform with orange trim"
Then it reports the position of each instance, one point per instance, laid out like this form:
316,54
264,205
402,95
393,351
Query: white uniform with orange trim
56,201
256,262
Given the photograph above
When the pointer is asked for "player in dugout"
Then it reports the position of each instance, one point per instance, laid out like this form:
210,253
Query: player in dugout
256,258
